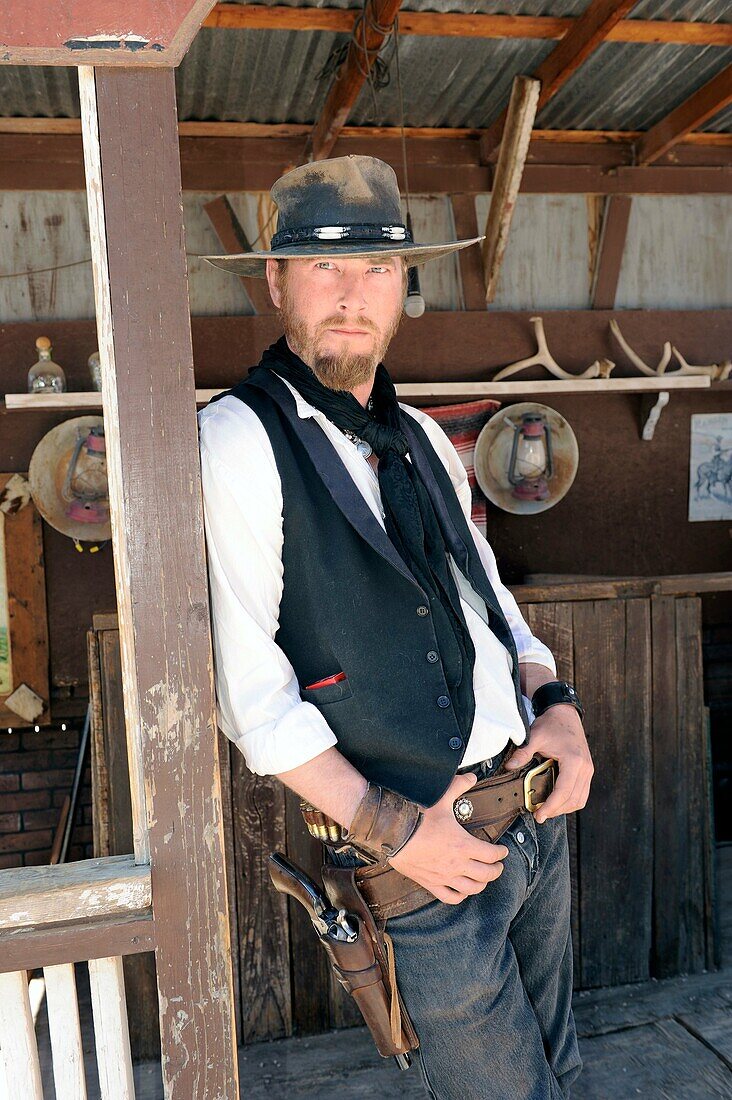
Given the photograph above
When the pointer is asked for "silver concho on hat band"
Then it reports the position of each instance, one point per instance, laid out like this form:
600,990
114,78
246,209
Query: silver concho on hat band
463,810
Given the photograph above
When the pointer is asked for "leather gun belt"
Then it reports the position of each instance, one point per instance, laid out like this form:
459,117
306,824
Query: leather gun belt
486,810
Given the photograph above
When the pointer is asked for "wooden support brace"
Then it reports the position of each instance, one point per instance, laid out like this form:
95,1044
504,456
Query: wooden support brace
470,260
230,233
507,178
615,220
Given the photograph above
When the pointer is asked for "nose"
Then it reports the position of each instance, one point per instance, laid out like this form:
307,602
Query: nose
351,297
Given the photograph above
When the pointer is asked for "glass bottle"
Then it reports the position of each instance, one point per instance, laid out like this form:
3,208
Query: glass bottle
45,376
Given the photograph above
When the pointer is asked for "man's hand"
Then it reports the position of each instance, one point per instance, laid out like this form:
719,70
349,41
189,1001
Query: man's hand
558,732
443,857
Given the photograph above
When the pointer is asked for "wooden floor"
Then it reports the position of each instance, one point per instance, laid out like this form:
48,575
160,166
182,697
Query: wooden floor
669,1039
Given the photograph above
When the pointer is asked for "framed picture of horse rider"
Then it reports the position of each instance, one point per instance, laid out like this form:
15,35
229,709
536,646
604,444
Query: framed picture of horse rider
710,467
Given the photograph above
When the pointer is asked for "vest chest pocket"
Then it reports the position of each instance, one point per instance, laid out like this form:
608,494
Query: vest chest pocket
328,693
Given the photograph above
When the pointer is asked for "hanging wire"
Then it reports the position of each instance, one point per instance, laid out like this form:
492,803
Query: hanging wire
88,260
372,65
401,116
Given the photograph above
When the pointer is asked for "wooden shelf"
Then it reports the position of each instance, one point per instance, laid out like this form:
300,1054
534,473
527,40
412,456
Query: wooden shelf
412,391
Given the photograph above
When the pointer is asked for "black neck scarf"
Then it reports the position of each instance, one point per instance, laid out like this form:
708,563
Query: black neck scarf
410,519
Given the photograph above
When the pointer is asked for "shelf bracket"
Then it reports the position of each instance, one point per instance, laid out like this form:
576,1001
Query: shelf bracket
651,411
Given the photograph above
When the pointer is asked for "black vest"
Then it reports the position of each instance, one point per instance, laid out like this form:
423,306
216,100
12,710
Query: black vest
350,604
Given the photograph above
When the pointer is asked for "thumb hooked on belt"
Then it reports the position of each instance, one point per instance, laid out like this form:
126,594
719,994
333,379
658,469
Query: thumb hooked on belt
520,757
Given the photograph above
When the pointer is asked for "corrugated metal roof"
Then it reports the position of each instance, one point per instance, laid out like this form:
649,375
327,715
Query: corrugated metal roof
272,76
39,91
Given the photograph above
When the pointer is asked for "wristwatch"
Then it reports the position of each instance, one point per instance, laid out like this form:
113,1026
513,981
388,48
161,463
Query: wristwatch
556,691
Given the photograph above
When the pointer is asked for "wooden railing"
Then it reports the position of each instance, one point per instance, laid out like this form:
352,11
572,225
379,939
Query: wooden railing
96,910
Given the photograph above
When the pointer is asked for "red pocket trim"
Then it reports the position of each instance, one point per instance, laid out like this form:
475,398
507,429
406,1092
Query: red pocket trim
328,680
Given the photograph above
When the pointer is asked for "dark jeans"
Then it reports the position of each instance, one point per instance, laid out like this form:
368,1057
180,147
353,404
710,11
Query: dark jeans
488,982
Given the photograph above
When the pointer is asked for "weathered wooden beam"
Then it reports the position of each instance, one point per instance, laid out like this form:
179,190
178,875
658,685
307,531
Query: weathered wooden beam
232,237
507,179
548,142
470,260
425,351
706,102
85,890
623,588
464,25
588,32
49,945
144,339
615,219
379,16
253,164
87,32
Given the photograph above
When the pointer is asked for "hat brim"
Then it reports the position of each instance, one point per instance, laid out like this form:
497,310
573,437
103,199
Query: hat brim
254,263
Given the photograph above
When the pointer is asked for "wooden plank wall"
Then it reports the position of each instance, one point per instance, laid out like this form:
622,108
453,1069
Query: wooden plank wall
552,622
642,849
640,852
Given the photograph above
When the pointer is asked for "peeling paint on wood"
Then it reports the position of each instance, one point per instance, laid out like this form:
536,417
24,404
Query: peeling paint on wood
132,42
74,891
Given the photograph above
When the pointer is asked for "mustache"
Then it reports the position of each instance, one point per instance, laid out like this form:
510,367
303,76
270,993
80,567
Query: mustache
336,322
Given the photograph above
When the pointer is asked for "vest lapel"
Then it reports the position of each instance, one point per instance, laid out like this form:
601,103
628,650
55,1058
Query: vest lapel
331,470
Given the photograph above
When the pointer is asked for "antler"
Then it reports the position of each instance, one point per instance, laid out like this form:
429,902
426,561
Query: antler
544,358
717,371
635,358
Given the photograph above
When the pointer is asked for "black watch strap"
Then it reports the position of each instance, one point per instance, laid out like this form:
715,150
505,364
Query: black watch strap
556,691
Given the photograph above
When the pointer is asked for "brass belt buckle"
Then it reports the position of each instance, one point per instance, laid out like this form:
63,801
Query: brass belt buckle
545,766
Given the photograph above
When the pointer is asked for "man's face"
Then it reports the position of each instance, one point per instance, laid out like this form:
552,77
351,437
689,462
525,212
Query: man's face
339,313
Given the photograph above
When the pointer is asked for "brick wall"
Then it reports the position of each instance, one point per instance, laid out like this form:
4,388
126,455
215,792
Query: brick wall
36,773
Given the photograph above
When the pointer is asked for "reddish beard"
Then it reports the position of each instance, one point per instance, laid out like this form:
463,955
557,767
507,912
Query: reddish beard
337,370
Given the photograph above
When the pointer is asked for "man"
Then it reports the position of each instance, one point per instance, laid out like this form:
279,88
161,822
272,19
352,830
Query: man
364,641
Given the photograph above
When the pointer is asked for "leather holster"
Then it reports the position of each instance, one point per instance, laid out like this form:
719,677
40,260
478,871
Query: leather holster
373,988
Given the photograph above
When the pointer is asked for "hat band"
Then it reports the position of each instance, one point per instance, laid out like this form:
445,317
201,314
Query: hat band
311,234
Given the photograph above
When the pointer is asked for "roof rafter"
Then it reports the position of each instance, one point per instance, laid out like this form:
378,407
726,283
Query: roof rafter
703,104
540,138
351,76
588,32
465,25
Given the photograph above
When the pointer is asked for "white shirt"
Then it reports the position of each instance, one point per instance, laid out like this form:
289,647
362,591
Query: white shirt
258,702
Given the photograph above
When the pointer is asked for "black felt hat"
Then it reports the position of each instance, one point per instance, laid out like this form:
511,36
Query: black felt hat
345,206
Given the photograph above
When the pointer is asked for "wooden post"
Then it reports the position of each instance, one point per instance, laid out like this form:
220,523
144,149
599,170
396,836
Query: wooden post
131,157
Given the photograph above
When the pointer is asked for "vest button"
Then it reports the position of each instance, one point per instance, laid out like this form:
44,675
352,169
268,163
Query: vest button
443,701
455,743
432,656
422,610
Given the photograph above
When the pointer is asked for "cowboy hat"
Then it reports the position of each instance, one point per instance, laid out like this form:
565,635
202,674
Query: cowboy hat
346,206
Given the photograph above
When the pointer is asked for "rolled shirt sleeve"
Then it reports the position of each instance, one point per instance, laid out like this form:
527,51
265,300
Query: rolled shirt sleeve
258,697
528,646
